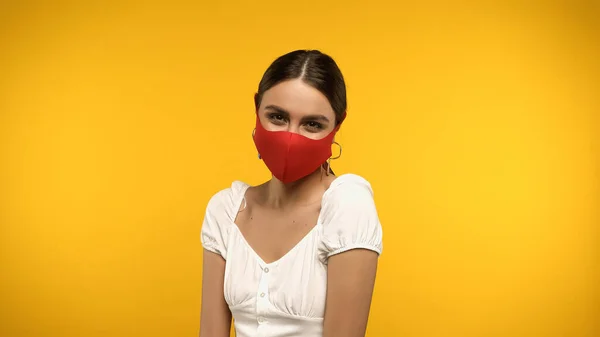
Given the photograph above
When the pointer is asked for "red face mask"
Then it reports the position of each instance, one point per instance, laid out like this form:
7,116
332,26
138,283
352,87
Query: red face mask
290,156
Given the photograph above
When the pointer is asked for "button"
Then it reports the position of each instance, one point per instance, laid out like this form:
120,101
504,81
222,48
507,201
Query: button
266,270
262,294
261,320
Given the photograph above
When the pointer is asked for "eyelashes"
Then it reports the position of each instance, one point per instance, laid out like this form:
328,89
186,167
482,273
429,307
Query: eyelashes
314,125
277,118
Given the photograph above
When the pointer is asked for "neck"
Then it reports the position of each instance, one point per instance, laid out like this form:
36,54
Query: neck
301,192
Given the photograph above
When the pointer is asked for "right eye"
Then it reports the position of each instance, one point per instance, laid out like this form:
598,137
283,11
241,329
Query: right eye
278,119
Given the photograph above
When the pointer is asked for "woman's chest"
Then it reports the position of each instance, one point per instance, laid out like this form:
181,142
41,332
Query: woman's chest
272,234
295,284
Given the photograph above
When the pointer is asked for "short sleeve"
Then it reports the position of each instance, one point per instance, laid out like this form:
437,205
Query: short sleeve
215,228
349,218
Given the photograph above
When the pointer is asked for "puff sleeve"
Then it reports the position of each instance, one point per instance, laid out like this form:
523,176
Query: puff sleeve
350,219
215,228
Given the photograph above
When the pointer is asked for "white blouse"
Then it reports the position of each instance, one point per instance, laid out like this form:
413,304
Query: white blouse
287,297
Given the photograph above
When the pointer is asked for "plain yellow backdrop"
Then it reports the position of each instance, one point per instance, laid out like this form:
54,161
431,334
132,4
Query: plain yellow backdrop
477,125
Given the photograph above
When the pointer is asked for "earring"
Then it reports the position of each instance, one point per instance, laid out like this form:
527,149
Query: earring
340,154
328,166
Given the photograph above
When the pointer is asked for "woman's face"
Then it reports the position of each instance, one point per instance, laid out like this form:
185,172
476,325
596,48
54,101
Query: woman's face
296,107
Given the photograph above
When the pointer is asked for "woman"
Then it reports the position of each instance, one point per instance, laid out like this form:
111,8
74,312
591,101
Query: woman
297,255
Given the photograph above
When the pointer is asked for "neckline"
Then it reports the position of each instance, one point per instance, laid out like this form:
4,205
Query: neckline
238,204
260,260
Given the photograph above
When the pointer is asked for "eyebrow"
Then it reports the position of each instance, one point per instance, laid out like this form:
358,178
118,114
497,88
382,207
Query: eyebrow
282,111
277,109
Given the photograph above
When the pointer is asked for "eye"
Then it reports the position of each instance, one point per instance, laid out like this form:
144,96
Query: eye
277,118
313,126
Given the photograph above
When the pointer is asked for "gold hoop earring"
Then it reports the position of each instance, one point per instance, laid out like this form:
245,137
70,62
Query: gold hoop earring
328,162
340,154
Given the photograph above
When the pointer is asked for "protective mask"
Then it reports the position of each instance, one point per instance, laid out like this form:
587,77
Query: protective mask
290,156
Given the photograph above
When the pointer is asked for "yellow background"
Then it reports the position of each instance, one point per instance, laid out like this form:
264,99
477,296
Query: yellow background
477,124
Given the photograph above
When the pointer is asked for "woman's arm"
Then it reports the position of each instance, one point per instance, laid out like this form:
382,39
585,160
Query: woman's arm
350,282
215,317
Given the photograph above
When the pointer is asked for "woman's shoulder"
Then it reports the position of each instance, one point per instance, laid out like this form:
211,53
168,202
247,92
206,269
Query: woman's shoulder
227,199
348,184
349,217
349,192
220,216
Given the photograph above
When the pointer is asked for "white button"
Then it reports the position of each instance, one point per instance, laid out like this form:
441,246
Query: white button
261,320
262,294
266,270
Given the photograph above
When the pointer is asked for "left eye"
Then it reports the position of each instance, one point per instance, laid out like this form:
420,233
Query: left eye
314,125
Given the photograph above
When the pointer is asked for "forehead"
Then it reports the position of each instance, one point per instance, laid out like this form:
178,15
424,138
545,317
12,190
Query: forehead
298,98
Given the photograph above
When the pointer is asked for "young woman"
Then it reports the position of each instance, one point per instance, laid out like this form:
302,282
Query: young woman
297,255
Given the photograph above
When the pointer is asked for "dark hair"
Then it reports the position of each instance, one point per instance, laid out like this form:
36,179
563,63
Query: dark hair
315,69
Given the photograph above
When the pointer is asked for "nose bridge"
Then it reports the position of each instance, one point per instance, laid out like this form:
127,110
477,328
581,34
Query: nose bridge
294,126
